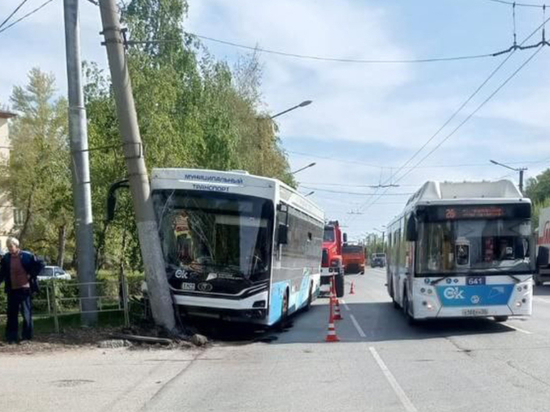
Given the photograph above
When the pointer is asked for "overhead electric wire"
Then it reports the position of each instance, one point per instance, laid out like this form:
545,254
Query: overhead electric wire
352,193
12,13
341,59
435,166
474,112
365,207
513,3
392,180
26,15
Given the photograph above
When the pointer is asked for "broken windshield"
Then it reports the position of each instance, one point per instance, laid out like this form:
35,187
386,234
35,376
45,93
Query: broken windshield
215,232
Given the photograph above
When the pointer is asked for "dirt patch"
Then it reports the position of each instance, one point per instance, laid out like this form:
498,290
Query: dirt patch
79,338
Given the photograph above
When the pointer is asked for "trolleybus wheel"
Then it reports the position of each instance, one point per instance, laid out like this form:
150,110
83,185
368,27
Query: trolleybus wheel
501,318
284,312
407,309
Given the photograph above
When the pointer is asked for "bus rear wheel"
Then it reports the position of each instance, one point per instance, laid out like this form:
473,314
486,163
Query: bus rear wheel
501,318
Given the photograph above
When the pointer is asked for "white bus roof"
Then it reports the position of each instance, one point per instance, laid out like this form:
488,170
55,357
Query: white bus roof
466,192
457,193
238,182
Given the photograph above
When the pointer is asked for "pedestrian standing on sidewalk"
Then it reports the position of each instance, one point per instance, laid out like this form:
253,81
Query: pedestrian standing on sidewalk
19,270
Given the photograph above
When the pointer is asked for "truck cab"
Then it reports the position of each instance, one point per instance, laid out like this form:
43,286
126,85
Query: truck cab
332,262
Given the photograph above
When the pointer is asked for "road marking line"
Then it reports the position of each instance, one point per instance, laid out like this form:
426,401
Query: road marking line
518,329
357,326
345,305
542,299
393,382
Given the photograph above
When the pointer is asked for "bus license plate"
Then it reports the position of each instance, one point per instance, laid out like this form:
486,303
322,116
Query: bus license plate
188,286
475,312
475,280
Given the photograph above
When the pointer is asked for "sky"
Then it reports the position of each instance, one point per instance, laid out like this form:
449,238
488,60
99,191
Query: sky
366,120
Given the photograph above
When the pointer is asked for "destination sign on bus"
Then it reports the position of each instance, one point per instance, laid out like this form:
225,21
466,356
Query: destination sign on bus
455,212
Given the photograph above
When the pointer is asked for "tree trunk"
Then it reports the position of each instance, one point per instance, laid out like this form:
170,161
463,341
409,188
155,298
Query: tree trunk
23,231
61,245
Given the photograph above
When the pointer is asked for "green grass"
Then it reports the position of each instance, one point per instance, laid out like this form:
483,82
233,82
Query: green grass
46,325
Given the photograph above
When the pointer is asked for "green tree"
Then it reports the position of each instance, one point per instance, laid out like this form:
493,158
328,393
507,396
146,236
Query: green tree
37,174
193,111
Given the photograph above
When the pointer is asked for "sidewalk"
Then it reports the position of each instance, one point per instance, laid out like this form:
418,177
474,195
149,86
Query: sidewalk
87,379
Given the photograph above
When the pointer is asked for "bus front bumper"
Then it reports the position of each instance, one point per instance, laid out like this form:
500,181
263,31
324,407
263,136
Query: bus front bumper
250,309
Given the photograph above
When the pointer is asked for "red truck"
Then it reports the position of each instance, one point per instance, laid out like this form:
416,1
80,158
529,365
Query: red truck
332,263
354,258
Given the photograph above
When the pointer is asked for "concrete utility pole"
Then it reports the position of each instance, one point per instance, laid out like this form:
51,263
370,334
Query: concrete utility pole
80,167
155,273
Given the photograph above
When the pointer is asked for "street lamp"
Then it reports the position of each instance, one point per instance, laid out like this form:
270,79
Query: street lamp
515,169
303,168
303,104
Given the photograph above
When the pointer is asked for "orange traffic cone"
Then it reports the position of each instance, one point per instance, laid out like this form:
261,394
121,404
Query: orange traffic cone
337,314
331,334
352,290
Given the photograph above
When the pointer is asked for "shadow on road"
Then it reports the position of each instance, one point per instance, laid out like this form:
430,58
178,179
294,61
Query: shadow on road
379,322
543,290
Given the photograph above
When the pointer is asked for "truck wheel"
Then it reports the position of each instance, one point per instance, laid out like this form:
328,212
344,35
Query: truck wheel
340,286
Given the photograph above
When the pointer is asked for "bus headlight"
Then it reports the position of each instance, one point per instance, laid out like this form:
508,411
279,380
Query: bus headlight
518,304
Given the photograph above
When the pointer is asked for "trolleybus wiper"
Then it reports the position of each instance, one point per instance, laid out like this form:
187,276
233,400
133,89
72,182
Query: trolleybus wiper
435,282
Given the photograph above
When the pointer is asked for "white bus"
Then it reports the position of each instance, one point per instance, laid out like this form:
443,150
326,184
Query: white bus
462,250
236,246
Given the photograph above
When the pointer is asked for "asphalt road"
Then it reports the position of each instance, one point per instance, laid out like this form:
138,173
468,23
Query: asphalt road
380,364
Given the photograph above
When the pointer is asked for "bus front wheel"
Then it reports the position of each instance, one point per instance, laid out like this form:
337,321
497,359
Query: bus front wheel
407,309
284,312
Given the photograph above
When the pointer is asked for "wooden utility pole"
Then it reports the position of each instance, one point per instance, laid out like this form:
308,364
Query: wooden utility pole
155,272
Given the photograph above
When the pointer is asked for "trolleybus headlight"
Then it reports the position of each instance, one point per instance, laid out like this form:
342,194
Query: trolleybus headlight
430,291
422,290
525,287
518,304
519,288
428,305
524,300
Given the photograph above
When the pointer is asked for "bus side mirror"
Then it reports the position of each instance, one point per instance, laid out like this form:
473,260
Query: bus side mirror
345,238
412,233
282,236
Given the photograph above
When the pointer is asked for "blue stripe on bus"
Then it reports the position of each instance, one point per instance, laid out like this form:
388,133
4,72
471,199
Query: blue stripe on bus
478,295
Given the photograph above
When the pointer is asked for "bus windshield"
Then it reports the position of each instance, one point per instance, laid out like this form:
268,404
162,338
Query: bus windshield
474,246
210,231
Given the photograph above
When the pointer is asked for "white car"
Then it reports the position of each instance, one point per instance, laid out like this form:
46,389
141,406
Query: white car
53,272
